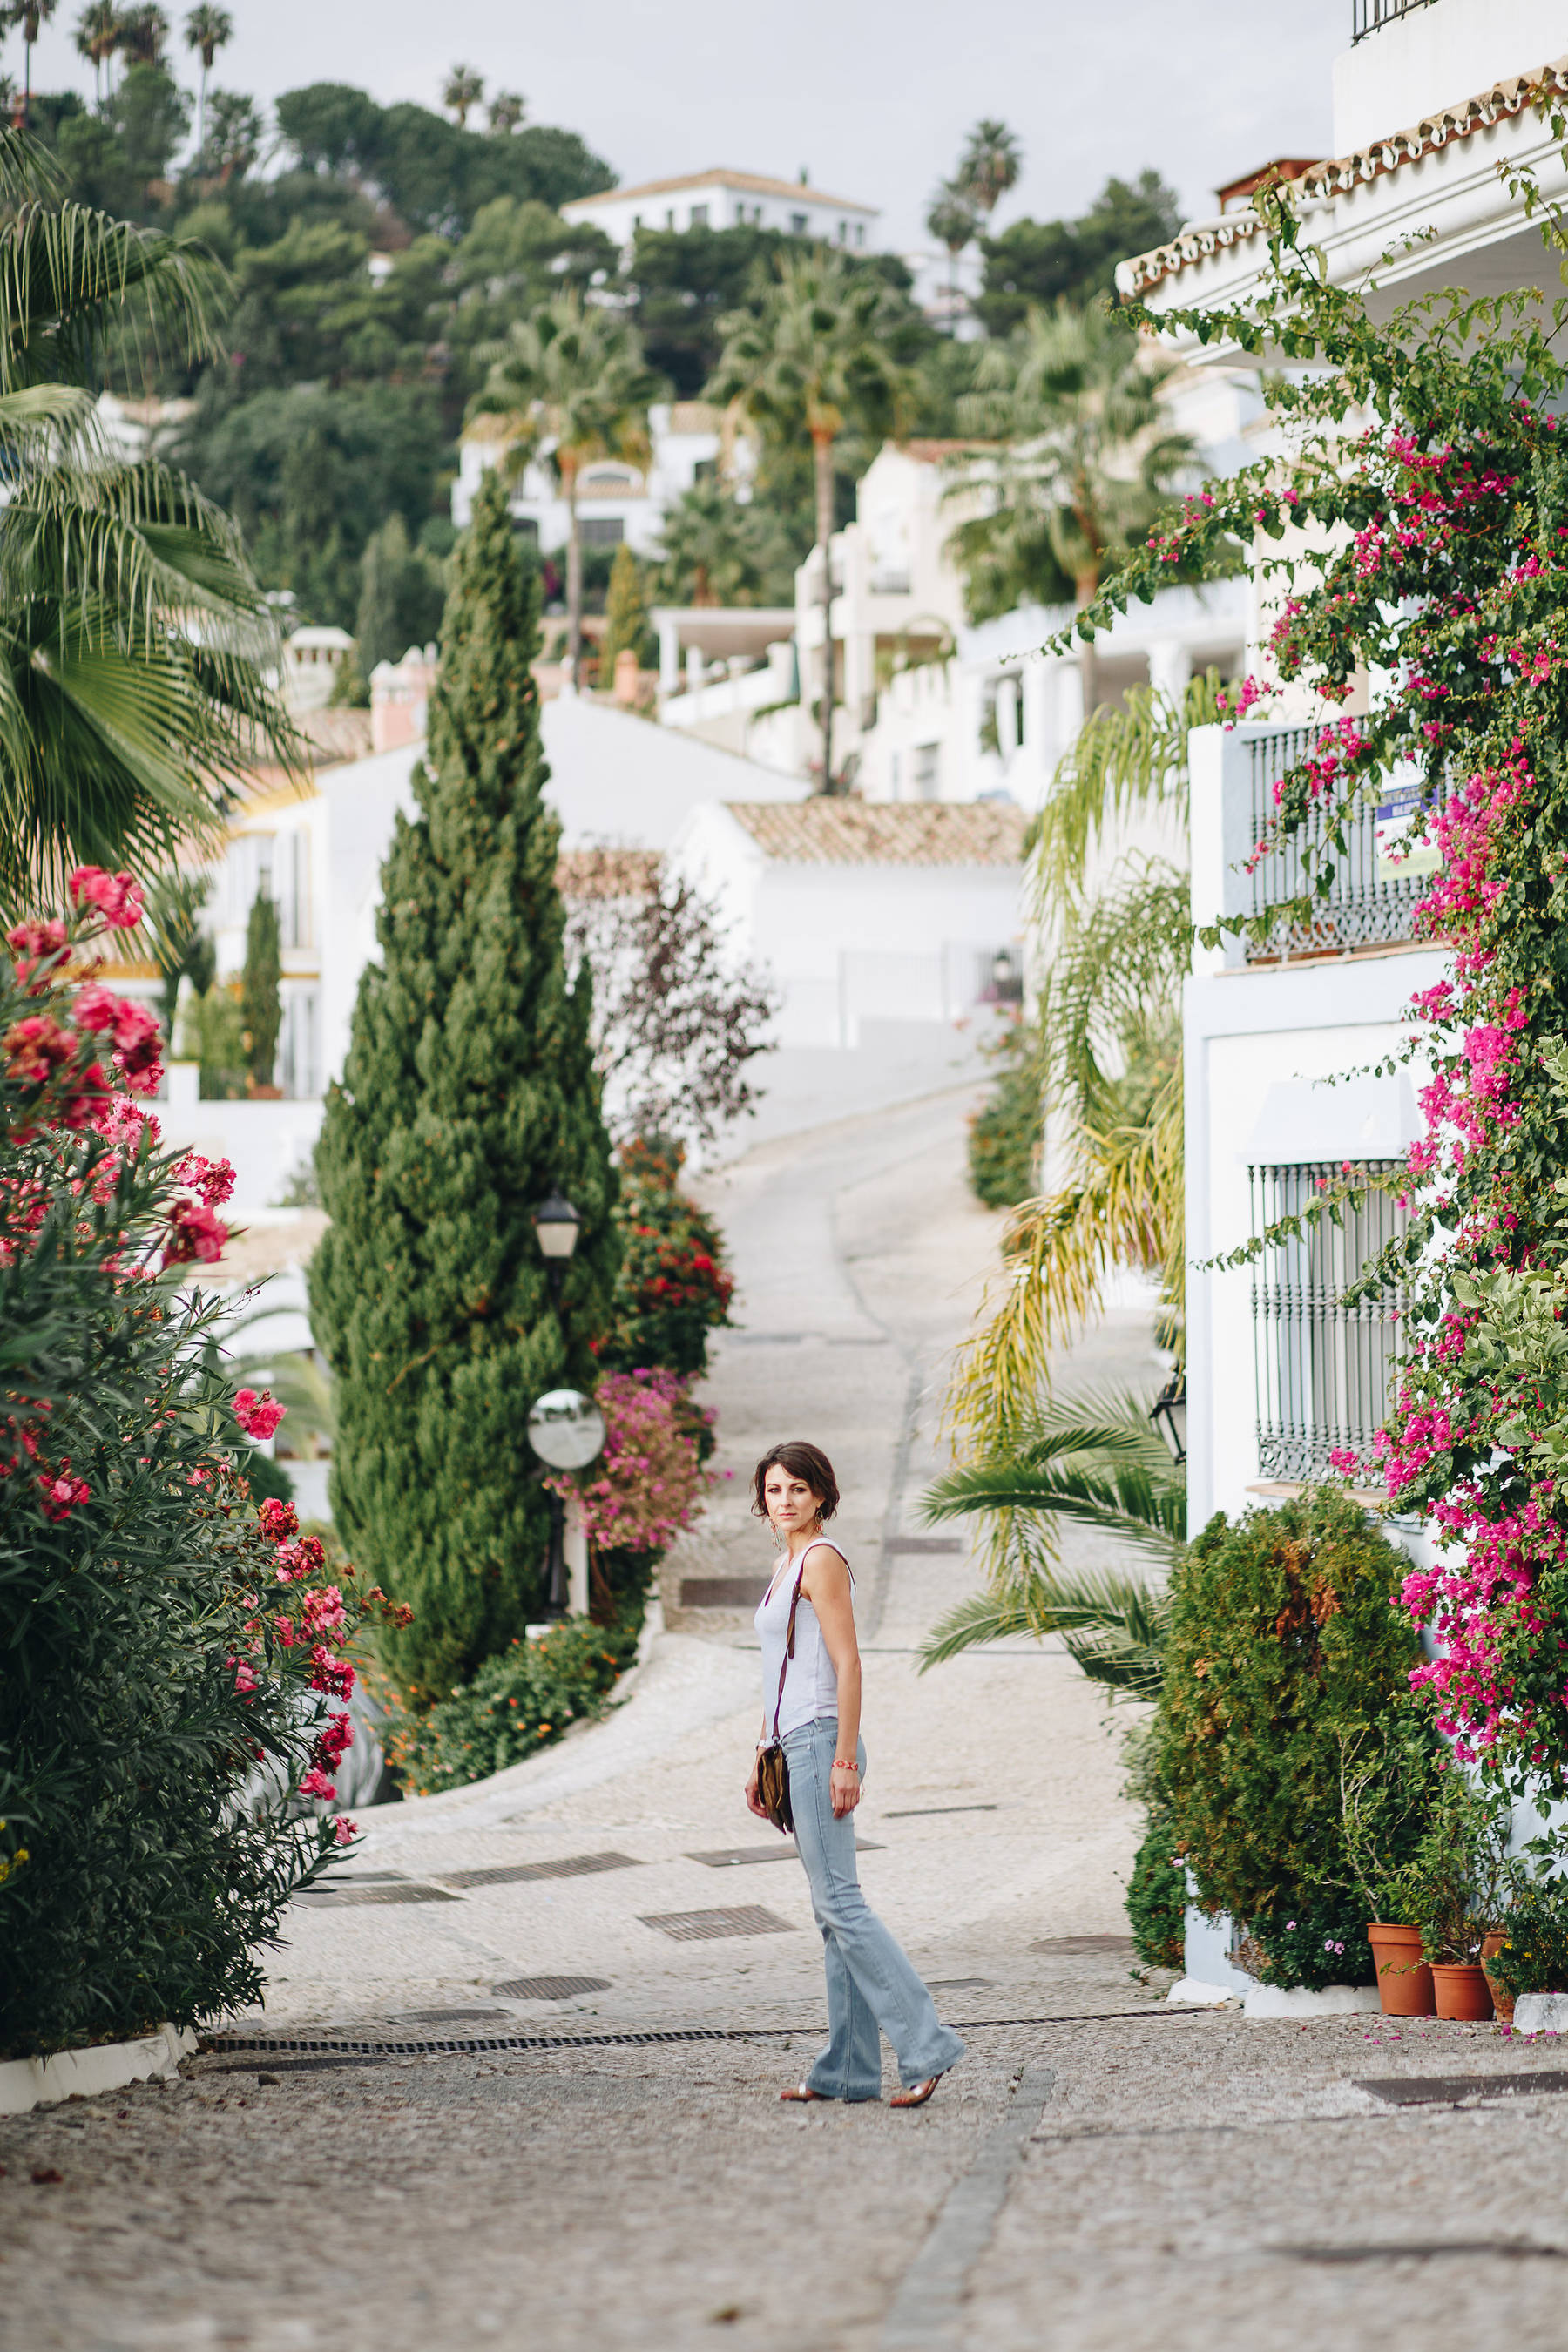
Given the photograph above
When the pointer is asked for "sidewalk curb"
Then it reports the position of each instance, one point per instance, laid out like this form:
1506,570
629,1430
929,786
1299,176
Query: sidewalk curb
29,2082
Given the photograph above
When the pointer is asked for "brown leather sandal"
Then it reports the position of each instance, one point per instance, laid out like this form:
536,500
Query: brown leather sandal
803,2094
916,2097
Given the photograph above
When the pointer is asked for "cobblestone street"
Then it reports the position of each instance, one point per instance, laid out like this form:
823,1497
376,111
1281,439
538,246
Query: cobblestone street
1101,2170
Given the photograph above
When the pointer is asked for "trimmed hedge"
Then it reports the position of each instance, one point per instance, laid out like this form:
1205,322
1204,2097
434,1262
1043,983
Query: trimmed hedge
1285,1662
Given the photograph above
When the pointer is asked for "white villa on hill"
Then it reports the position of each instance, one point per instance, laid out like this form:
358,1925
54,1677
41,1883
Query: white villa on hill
617,500
725,199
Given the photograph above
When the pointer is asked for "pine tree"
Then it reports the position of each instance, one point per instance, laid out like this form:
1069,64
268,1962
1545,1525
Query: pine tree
261,990
626,615
469,1094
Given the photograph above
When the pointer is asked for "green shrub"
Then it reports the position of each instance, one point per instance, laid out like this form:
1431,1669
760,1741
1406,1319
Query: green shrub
1005,1136
156,1725
1312,1943
1284,1672
515,1704
1157,1897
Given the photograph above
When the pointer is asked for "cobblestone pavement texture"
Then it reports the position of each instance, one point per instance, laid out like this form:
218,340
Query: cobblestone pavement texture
1100,2171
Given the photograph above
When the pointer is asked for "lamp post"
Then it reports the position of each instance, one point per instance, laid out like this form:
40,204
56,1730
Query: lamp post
557,1224
1169,1414
566,1430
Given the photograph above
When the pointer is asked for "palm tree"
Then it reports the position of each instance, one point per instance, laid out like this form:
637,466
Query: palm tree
96,38
953,221
813,356
144,34
209,30
1110,1016
464,88
506,110
571,379
30,14
1076,408
1092,1460
989,165
135,644
717,551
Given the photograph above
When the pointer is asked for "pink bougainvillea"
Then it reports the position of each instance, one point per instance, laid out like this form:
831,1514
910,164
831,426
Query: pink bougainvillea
647,1483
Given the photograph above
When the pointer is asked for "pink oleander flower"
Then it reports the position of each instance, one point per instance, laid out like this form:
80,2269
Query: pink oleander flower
117,897
258,1417
316,1784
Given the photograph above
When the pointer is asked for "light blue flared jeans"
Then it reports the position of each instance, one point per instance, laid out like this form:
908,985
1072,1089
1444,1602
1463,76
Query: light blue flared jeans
871,1986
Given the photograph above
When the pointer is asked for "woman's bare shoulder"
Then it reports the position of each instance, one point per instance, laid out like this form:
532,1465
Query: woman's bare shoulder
826,1543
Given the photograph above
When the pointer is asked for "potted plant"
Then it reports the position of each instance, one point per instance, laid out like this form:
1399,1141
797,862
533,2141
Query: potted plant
1530,1953
1458,1888
1388,1785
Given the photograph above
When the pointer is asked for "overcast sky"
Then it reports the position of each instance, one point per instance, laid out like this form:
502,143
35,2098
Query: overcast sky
874,96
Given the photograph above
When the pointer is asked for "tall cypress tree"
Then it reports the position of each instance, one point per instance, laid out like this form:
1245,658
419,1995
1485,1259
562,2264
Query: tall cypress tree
468,1094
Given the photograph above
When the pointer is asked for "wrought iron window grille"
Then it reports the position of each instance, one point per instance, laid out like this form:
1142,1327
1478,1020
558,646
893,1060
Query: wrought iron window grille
1324,1369
1366,905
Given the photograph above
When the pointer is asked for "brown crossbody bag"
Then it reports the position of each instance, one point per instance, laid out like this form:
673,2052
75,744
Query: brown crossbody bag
772,1764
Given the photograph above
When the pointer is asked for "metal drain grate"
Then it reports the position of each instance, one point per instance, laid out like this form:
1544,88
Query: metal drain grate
451,2017
721,1592
548,1987
1447,2090
333,1898
959,1984
511,1873
730,1857
695,1926
1067,1945
1198,2022
924,1812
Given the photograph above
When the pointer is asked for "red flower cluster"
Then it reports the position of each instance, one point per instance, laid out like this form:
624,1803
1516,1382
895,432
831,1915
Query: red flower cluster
258,1417
117,897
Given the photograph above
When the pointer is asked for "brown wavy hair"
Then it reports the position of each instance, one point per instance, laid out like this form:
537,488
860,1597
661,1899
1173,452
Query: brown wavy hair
802,1460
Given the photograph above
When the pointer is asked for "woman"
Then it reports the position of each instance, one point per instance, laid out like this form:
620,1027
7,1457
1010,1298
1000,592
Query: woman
870,1983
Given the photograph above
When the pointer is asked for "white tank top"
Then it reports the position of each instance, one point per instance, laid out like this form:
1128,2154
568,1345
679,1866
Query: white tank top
811,1682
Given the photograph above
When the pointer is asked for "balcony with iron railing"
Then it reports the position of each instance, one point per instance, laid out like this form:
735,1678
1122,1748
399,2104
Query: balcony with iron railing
1371,16
1375,883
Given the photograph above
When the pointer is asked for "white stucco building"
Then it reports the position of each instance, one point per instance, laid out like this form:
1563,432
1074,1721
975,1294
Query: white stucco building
722,198
872,920
689,441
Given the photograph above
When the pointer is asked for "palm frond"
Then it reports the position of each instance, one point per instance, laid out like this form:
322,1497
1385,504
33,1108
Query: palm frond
1112,1627
1128,757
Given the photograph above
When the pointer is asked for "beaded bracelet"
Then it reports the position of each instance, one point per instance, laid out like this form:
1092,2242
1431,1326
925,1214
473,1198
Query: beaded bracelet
840,1766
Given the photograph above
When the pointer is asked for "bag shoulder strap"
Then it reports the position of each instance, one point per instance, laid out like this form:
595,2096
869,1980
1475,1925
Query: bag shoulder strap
789,1648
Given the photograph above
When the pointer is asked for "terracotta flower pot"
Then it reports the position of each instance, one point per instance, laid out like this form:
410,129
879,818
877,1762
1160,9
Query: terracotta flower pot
1463,1993
1502,2000
1403,1978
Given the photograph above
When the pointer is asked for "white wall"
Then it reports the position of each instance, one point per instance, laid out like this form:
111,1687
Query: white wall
616,778
1436,56
851,946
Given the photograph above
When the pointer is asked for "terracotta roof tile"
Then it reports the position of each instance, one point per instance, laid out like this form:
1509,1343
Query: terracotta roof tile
1513,95
884,833
606,873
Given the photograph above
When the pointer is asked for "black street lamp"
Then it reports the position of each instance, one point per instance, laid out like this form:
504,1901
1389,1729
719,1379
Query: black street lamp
557,1224
1169,1414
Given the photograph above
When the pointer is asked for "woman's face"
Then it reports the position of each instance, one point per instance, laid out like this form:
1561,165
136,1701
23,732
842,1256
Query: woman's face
790,1501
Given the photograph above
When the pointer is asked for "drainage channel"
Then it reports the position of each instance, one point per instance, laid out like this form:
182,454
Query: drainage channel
225,2045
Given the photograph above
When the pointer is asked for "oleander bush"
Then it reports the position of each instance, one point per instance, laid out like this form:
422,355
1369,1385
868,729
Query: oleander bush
673,1287
171,1652
1006,1133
